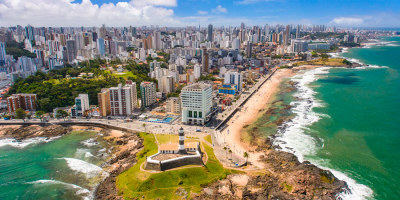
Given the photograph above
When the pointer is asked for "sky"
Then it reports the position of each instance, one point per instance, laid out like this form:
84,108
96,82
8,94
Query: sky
340,13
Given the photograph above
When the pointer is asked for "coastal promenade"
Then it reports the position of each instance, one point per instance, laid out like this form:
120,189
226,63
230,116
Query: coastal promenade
243,99
132,127
228,136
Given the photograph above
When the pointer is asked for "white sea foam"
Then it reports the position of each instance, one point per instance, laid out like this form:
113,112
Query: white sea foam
90,142
354,60
292,132
80,152
372,67
90,170
292,137
80,190
24,143
88,154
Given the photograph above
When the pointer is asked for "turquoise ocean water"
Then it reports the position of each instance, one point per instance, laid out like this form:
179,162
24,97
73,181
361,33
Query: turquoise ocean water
64,168
348,121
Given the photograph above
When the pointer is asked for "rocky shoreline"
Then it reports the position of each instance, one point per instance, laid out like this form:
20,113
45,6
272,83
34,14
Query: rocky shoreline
125,146
20,133
123,158
283,178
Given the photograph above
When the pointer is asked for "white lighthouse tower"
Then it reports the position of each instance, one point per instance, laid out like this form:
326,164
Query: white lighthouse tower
181,149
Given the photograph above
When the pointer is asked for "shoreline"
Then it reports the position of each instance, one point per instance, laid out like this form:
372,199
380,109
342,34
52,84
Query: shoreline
271,148
250,112
124,147
270,158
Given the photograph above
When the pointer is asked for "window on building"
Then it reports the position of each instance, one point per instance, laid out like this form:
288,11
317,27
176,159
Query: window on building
190,113
200,115
195,114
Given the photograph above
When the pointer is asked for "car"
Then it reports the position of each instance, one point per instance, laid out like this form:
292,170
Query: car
198,130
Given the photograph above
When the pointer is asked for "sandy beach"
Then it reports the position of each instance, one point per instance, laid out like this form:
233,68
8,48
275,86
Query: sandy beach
249,113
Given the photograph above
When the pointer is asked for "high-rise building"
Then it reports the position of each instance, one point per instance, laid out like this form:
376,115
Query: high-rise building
298,32
148,93
168,84
104,102
197,71
157,43
2,53
287,35
299,46
123,99
204,60
196,103
173,105
81,105
234,78
29,33
24,101
101,47
210,33
249,49
103,31
71,50
236,44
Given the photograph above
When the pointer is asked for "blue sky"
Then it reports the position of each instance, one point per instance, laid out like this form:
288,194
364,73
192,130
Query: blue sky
355,13
290,11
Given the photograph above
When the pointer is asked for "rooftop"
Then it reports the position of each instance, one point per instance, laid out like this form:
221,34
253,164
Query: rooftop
197,86
174,146
162,157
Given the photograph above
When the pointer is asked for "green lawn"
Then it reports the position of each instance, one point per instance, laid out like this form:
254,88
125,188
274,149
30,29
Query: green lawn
208,139
125,75
135,183
169,138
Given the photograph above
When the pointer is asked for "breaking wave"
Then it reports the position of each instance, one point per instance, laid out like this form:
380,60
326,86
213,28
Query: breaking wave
24,143
292,138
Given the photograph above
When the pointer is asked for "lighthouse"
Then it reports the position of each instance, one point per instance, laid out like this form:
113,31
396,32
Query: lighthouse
181,149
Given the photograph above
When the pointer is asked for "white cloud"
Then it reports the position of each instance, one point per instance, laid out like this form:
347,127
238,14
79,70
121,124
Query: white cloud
67,13
220,9
386,20
348,21
201,12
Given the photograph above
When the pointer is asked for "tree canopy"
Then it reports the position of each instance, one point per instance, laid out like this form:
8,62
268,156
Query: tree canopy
17,50
54,90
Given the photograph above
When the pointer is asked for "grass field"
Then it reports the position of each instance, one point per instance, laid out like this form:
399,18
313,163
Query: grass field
168,138
125,75
135,183
208,139
329,62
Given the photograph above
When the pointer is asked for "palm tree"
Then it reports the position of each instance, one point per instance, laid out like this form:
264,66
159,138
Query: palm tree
246,155
39,114
225,152
62,113
144,126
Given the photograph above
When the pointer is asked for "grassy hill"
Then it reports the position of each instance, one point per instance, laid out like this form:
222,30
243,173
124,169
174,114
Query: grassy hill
135,183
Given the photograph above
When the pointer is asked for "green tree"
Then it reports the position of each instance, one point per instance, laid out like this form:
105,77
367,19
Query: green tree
346,62
144,126
39,114
225,152
324,56
246,155
45,104
62,114
20,114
